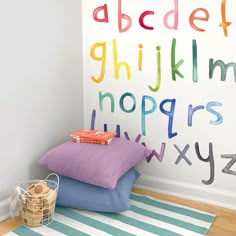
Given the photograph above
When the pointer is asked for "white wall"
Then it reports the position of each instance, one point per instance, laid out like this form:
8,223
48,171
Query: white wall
40,84
183,175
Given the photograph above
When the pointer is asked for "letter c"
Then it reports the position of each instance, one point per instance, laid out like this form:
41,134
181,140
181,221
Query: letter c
141,20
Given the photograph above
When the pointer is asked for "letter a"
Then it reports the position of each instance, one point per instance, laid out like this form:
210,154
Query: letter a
105,14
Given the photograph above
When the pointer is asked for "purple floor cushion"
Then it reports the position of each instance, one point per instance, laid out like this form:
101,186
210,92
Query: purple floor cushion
97,164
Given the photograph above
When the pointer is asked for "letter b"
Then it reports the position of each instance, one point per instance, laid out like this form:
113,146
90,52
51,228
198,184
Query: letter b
121,17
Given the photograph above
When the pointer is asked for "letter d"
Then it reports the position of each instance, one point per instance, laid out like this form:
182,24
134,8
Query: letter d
176,14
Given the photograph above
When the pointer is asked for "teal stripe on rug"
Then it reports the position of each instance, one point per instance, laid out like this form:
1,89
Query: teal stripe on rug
91,222
140,224
170,220
25,231
65,229
177,209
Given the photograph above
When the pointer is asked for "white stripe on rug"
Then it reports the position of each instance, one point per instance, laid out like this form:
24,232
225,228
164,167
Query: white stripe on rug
169,213
79,226
182,211
161,224
47,231
115,223
87,217
172,203
11,234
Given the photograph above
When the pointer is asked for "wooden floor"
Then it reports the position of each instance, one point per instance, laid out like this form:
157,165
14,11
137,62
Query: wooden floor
224,224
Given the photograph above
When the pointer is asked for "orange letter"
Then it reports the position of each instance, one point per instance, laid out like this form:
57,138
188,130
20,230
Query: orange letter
105,13
102,59
194,17
224,23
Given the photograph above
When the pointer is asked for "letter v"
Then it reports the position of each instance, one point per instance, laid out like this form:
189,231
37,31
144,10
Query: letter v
137,138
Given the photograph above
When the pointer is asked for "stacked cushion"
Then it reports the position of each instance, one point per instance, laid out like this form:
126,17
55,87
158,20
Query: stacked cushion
76,194
95,168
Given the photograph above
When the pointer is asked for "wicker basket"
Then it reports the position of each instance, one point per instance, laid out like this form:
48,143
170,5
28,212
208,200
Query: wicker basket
37,200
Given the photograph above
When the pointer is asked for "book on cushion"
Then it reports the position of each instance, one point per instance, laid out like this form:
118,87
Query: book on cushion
93,134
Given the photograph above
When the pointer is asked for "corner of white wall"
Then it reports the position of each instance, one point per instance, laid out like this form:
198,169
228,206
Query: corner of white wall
5,209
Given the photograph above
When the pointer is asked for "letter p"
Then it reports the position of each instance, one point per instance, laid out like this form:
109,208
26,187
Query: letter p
146,112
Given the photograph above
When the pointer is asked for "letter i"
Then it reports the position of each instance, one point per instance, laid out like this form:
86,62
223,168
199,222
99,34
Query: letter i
140,57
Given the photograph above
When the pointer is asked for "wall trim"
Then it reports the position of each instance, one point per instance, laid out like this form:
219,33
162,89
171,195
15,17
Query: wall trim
5,209
203,194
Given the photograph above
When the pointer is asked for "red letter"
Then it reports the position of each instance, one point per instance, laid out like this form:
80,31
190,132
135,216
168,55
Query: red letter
175,12
141,19
97,10
193,17
224,23
122,16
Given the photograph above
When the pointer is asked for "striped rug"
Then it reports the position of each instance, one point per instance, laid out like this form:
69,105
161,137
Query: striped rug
147,216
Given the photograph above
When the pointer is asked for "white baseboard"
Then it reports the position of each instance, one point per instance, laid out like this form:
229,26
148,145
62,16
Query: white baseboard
5,209
192,192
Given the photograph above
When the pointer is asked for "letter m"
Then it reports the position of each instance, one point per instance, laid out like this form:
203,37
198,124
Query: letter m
224,68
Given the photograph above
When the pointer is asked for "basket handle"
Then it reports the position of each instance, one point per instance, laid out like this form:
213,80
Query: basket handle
14,204
55,175
18,189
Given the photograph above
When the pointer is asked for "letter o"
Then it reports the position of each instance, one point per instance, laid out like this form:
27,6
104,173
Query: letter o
122,102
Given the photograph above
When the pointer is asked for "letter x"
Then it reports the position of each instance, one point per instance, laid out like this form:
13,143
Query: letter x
182,155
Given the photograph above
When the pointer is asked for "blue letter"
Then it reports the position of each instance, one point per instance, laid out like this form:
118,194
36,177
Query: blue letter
146,112
170,114
219,119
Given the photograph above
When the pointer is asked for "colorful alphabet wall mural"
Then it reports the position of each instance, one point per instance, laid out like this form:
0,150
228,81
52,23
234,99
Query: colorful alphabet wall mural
163,73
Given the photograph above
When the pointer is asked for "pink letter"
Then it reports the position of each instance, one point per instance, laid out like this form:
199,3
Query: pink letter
141,19
175,13
121,17
105,13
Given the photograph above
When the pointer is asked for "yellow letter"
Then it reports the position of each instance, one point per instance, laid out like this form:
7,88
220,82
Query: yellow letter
118,65
102,58
140,57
